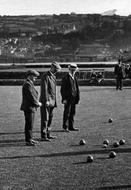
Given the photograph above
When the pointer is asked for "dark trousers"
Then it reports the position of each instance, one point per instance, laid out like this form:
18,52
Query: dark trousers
68,115
46,119
29,122
119,83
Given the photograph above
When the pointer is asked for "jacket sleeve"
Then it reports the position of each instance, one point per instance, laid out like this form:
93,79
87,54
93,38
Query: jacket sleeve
115,70
44,96
78,92
31,97
63,89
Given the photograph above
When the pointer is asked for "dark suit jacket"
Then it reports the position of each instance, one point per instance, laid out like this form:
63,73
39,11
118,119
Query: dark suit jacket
48,89
119,72
128,72
67,89
29,97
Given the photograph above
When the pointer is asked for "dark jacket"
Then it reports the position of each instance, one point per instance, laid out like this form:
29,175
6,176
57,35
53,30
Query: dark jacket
128,72
29,97
119,72
48,89
67,89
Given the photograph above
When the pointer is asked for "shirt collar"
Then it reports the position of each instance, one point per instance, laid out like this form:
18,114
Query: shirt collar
54,77
30,80
72,76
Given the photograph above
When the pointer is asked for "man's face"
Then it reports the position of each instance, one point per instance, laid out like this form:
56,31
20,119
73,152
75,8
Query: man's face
120,63
73,70
55,70
33,78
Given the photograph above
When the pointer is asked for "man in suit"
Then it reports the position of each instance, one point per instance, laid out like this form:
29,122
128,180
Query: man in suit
48,99
128,71
119,72
70,97
29,105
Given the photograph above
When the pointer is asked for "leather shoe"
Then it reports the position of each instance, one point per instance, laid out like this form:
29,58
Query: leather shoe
45,139
49,136
30,144
52,137
66,130
33,141
73,129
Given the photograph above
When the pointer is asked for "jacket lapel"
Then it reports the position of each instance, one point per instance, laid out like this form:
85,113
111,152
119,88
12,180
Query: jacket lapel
33,87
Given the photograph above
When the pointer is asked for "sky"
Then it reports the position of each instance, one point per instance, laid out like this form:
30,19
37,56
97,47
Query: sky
41,7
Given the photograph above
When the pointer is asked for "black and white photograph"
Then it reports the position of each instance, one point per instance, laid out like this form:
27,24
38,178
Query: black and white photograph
65,94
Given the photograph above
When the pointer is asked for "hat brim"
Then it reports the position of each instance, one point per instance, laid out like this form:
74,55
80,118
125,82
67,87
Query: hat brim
33,73
72,67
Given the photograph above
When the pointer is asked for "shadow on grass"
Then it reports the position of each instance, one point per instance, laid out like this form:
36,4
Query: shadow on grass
114,187
17,133
77,163
122,150
14,133
76,145
103,158
60,130
100,158
12,143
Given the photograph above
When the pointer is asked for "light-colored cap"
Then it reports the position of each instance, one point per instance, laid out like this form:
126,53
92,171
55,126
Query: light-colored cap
32,72
73,65
56,65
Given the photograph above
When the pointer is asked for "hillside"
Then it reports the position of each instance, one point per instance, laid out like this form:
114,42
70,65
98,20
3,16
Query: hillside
64,37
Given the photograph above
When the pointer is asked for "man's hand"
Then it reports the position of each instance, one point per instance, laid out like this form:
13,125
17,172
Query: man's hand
47,103
40,104
64,102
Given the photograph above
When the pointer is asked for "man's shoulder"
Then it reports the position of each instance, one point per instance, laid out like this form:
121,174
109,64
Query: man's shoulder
27,83
46,74
116,65
75,77
66,76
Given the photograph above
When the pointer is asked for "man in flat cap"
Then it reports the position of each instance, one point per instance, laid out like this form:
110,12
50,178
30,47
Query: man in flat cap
48,99
119,72
70,97
30,103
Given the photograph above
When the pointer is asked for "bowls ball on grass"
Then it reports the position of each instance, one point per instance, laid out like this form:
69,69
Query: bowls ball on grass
105,146
115,144
90,158
110,120
82,142
112,154
122,142
106,141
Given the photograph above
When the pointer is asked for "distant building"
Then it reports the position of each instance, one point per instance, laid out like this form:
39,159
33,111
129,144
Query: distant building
92,52
73,29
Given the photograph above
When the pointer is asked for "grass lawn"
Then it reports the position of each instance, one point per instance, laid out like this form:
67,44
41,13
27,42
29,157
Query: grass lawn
61,164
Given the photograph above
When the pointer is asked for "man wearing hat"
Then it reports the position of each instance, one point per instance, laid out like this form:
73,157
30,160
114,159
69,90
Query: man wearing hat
29,105
70,97
119,72
48,99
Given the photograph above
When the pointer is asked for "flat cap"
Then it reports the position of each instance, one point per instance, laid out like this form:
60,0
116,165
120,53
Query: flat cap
73,65
32,72
56,65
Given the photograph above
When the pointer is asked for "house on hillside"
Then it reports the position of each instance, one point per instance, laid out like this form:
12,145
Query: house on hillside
92,52
126,56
